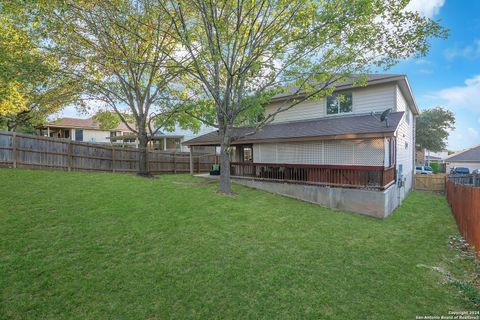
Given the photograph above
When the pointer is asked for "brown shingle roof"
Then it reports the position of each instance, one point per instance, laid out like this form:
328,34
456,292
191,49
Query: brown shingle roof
470,155
82,123
324,128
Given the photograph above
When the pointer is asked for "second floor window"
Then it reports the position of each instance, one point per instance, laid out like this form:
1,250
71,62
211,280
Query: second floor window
339,103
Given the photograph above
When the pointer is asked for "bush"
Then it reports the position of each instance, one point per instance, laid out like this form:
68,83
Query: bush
435,167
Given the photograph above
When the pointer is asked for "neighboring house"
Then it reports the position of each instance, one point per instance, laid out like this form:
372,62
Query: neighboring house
88,130
469,158
425,156
332,151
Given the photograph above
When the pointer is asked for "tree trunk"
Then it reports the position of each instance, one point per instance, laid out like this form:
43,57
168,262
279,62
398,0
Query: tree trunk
11,126
143,151
225,186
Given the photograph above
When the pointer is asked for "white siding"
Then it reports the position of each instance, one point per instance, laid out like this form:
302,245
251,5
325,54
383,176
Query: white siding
344,152
402,104
364,100
374,98
305,110
96,136
470,165
405,145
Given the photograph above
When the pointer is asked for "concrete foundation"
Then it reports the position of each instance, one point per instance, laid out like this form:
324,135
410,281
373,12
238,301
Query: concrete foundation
378,204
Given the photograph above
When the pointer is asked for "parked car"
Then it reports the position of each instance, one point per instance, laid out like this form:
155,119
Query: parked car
460,170
476,171
423,170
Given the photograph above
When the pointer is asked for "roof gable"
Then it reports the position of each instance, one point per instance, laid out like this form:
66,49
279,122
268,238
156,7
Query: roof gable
372,79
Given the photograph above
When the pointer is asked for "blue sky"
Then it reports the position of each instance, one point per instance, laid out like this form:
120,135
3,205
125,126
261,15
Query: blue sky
449,75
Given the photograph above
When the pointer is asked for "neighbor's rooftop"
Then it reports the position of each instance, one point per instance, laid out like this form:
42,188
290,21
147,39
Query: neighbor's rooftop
469,155
88,123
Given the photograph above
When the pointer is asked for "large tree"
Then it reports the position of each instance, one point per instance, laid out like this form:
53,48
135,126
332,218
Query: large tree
28,90
119,49
433,127
238,54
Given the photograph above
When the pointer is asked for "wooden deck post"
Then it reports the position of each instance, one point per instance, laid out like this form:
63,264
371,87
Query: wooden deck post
191,160
14,149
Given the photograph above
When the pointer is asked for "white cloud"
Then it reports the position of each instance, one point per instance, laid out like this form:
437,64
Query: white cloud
470,52
425,71
423,62
473,133
462,97
427,8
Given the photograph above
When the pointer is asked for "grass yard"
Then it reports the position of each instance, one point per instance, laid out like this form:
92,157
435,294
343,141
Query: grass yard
114,246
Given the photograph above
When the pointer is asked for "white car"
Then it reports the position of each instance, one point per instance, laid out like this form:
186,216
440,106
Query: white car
423,170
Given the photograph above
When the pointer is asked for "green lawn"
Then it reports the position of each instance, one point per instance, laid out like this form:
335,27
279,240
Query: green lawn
114,246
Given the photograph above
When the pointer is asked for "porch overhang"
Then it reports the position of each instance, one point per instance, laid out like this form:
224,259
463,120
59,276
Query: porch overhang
133,136
306,139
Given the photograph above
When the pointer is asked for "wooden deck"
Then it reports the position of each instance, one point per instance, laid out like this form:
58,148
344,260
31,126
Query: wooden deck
371,177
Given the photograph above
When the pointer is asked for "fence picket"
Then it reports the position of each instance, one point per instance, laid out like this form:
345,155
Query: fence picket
465,203
30,151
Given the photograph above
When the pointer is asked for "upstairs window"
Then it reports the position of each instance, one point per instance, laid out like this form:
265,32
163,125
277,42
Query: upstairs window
339,103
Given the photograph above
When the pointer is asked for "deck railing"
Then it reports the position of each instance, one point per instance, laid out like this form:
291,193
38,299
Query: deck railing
375,177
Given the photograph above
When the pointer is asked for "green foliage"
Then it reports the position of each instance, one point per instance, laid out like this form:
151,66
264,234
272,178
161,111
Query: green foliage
30,86
107,120
464,269
257,49
103,246
237,54
435,167
433,127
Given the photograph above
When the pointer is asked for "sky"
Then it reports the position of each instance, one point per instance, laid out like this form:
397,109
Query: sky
449,76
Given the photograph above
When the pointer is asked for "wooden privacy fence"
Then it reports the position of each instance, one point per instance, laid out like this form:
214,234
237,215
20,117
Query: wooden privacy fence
29,151
465,203
430,182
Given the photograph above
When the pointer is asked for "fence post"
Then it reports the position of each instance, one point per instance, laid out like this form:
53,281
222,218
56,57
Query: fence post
191,159
69,156
174,162
14,149
113,159
198,164
148,160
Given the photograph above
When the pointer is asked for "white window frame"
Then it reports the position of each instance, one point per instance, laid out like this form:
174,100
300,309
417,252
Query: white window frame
338,113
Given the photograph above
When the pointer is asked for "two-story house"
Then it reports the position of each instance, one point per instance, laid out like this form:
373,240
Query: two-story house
337,152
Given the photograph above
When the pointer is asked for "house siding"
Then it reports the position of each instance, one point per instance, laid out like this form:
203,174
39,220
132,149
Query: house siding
96,136
405,155
305,110
470,165
402,104
375,98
